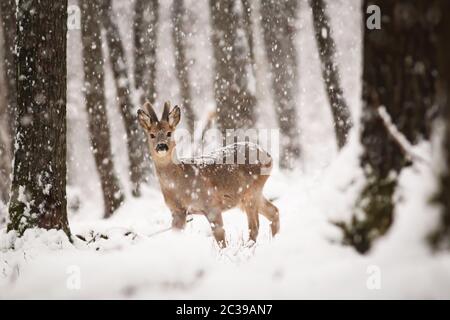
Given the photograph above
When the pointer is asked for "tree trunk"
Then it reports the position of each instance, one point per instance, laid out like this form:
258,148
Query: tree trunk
8,12
181,63
5,134
330,72
247,16
291,8
135,137
38,193
234,79
399,62
93,65
278,37
145,42
145,27
440,238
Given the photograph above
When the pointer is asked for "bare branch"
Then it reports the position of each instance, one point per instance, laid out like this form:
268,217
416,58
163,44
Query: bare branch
399,138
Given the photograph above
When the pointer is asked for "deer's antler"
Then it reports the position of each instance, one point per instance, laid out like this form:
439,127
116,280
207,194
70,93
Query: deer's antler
165,115
148,108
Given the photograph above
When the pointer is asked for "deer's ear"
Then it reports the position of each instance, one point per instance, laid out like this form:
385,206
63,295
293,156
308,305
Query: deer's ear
174,116
144,119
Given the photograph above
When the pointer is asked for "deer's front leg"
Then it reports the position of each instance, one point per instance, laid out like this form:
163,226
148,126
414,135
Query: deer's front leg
178,219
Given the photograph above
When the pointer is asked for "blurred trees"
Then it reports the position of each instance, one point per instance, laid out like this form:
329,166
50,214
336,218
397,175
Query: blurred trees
94,88
135,136
38,192
234,82
248,23
330,72
398,74
181,61
8,12
440,238
5,136
7,93
145,27
278,22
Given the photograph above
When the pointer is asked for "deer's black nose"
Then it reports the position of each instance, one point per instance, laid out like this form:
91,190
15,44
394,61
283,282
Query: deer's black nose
162,147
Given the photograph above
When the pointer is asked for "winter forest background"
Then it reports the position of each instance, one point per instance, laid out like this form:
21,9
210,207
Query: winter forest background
361,177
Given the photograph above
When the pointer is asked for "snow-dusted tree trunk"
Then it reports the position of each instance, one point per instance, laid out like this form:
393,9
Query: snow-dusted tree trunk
181,62
145,27
8,13
38,192
145,41
330,72
277,23
5,136
234,85
440,238
399,63
135,137
93,65
248,25
291,12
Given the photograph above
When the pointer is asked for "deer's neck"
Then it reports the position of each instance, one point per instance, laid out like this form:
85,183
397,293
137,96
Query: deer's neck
166,167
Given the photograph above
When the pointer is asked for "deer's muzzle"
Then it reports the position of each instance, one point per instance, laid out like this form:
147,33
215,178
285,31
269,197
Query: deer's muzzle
162,147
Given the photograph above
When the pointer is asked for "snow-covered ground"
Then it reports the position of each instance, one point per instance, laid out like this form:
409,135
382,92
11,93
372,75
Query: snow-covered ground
129,257
132,255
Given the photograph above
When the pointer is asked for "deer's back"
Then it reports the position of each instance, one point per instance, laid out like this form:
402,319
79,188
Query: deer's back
220,180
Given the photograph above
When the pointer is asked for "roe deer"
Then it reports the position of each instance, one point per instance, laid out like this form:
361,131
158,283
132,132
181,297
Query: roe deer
207,185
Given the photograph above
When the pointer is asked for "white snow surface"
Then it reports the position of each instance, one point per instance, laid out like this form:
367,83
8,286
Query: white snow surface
304,261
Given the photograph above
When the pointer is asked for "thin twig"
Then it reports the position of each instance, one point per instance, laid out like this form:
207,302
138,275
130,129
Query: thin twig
189,219
98,235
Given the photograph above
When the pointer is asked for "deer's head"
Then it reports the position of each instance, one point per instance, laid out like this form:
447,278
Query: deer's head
160,132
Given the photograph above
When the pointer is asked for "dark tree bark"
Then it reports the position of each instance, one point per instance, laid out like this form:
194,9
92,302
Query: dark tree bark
145,28
135,137
399,62
38,192
234,78
5,153
291,12
247,15
5,136
94,87
440,238
181,62
145,41
8,12
278,24
330,72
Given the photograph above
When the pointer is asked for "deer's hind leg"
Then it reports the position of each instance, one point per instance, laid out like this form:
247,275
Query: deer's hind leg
268,210
179,219
250,207
216,222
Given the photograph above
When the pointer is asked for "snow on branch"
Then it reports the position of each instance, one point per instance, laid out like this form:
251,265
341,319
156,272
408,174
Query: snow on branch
399,138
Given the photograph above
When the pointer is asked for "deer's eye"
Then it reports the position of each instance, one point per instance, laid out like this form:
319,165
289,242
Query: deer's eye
169,134
152,136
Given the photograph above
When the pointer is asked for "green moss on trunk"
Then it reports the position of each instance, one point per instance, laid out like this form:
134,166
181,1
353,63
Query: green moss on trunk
373,214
